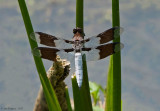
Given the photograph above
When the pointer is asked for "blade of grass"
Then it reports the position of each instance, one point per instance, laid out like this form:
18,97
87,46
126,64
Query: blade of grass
68,99
82,98
79,13
116,61
48,90
121,104
78,105
47,95
85,91
114,78
109,92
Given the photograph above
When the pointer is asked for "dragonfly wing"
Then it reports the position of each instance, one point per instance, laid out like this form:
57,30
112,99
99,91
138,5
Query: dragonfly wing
102,51
103,37
50,40
51,53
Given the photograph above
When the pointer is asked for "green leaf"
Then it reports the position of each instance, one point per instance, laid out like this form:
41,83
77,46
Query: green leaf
121,104
85,92
79,13
78,104
82,98
109,92
51,104
96,108
113,94
94,90
51,98
116,60
68,100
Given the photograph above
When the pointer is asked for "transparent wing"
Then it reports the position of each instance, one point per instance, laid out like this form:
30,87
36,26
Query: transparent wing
70,56
103,37
50,40
102,51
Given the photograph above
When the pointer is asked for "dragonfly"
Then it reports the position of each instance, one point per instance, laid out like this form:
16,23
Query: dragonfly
95,47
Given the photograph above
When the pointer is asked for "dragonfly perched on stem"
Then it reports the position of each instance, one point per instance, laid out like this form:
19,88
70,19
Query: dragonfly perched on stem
95,47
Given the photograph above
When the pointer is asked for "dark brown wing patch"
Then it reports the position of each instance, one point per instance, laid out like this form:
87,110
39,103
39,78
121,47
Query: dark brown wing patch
48,40
104,37
102,51
48,53
108,49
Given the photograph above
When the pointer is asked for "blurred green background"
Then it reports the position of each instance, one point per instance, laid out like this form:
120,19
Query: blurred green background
19,81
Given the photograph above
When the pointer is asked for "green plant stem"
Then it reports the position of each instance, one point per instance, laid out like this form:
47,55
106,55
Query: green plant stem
116,61
78,104
113,101
79,13
68,99
109,92
48,90
82,98
85,91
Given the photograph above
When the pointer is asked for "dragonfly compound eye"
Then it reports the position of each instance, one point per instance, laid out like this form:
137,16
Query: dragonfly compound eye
74,31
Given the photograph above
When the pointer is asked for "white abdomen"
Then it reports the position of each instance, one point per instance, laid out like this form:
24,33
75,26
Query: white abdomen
79,68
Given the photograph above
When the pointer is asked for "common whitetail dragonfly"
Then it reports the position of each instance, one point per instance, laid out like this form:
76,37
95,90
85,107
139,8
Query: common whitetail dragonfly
94,47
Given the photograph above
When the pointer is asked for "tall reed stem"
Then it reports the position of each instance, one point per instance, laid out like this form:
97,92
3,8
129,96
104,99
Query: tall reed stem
51,98
113,95
82,98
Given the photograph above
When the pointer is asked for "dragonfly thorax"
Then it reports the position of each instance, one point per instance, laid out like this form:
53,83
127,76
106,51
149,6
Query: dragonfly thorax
77,45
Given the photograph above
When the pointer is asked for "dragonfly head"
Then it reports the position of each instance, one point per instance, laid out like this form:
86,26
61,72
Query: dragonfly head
78,31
